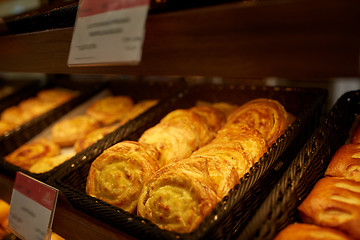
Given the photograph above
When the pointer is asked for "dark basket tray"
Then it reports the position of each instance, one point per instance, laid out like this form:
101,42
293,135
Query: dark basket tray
138,89
280,207
234,210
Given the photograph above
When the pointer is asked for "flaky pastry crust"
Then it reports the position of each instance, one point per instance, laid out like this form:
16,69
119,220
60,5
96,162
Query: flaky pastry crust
118,174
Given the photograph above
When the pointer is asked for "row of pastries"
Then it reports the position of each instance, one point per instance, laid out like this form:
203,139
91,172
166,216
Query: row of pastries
72,135
332,209
179,169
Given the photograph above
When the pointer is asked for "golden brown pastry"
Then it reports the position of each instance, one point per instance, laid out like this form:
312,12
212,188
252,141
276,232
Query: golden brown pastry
247,138
303,231
118,174
178,196
92,137
345,162
35,107
214,118
15,115
139,108
29,153
265,115
66,132
55,96
177,135
334,203
110,109
5,127
46,164
222,173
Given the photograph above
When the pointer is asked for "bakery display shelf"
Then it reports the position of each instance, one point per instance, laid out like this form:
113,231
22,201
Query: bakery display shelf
238,206
279,209
283,38
137,88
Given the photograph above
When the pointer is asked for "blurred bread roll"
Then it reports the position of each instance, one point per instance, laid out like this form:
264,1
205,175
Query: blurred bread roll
5,127
139,108
46,164
67,131
118,174
56,96
335,203
345,162
178,196
15,115
111,109
92,137
29,153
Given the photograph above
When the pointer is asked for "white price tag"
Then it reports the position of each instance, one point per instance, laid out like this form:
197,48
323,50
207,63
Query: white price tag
32,208
108,32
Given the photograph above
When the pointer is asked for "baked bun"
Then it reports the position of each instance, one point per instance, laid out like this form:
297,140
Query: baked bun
110,109
178,196
303,231
66,132
139,108
345,162
46,164
118,174
29,153
265,115
35,107
214,118
335,203
92,137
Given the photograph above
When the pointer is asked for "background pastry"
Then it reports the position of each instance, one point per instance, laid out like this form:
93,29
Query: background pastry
178,196
118,174
335,203
110,109
66,132
138,108
5,127
46,164
55,96
29,153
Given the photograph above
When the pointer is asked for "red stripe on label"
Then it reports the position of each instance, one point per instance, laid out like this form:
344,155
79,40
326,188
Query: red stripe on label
35,190
92,7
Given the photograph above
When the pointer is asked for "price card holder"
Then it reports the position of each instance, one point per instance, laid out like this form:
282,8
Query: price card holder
108,32
32,208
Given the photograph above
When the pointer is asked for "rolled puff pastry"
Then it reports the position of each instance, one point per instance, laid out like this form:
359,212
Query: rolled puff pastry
303,231
15,115
222,173
118,174
245,137
177,135
335,203
29,153
214,118
66,132
178,196
345,162
110,109
265,115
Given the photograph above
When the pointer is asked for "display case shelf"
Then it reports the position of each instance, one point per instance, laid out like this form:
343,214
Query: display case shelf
281,38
